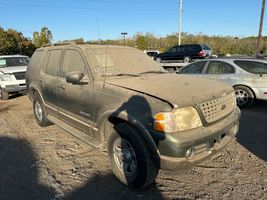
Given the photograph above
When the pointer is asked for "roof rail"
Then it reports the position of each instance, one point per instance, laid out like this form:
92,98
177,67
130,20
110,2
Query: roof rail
59,43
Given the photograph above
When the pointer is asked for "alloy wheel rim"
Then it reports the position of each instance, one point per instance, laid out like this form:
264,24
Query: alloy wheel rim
38,111
124,156
242,97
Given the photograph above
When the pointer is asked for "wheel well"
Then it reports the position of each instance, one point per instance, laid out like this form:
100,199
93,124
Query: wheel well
246,87
108,126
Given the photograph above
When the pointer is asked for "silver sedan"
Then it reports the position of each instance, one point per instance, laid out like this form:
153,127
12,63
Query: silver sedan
247,76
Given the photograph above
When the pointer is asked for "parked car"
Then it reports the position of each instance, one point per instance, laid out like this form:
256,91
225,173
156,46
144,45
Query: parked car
117,98
185,53
151,53
12,74
247,76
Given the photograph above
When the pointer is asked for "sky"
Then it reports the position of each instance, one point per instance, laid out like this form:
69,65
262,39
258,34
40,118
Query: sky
106,19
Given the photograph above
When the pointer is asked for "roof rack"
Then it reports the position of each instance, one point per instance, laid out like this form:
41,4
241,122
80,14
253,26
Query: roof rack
60,43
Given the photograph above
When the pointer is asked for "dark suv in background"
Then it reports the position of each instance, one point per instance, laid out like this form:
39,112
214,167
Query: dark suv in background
185,53
116,98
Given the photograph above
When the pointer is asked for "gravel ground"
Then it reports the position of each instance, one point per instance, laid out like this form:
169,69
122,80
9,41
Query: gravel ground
47,163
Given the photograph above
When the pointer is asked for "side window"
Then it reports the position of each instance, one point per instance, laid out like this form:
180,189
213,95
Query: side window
53,62
194,68
172,50
218,67
72,62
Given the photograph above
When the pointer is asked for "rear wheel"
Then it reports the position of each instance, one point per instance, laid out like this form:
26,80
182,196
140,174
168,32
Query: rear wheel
3,94
158,60
40,112
187,59
130,159
244,96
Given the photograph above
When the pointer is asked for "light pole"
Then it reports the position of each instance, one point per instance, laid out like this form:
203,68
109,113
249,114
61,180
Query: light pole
180,21
124,33
260,29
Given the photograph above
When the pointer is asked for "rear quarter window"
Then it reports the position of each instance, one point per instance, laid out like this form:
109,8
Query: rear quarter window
36,61
194,68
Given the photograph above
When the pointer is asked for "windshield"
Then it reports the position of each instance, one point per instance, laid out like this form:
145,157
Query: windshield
13,61
252,66
108,60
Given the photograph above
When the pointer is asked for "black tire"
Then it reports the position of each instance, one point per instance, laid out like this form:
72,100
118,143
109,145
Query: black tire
244,96
187,59
130,158
39,111
3,94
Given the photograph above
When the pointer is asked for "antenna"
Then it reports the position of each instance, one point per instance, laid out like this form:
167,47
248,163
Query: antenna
100,52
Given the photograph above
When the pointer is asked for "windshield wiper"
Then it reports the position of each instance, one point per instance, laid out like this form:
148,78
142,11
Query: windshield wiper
154,72
122,74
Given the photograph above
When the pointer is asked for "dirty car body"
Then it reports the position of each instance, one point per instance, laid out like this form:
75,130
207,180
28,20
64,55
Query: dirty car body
116,98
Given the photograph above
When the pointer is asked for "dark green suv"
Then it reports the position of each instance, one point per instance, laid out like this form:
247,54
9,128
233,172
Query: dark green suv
117,99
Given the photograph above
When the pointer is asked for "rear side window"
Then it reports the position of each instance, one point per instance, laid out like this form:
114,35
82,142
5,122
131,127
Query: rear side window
194,68
36,60
252,66
72,62
218,67
205,47
53,62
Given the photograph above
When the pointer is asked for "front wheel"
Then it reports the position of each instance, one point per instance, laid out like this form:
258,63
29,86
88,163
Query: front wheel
130,158
244,96
3,94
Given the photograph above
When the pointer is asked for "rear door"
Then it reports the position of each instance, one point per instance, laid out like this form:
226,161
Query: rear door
220,70
49,77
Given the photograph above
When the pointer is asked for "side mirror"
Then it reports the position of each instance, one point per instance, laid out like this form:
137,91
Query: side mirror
75,78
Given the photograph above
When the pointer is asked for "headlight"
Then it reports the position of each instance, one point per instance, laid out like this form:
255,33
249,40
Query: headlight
178,120
6,77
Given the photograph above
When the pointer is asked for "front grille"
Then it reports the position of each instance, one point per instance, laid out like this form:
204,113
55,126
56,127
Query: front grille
218,108
19,75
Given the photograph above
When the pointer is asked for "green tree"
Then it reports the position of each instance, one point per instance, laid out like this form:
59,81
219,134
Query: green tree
13,42
42,37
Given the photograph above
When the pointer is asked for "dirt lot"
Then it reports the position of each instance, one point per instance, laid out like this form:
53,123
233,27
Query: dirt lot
47,163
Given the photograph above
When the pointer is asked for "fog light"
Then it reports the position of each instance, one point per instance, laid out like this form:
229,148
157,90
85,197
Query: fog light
188,153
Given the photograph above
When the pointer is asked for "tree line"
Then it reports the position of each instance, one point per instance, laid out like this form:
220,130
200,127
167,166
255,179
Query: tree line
13,42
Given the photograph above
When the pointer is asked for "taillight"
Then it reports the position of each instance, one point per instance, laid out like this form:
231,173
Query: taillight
201,53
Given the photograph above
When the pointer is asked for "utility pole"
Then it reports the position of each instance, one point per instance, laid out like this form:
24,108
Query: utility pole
260,29
124,33
180,20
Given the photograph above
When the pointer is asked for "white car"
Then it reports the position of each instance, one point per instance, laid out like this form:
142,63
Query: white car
12,74
247,76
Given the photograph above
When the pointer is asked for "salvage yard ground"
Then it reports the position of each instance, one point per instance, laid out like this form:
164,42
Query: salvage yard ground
47,163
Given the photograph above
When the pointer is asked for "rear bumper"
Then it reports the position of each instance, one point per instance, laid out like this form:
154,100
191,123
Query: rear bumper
203,144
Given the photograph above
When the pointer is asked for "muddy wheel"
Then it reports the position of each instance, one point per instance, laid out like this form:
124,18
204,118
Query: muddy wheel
130,159
244,96
40,112
3,94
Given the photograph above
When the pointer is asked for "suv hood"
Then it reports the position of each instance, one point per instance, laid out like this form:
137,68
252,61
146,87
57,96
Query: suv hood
10,70
178,90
